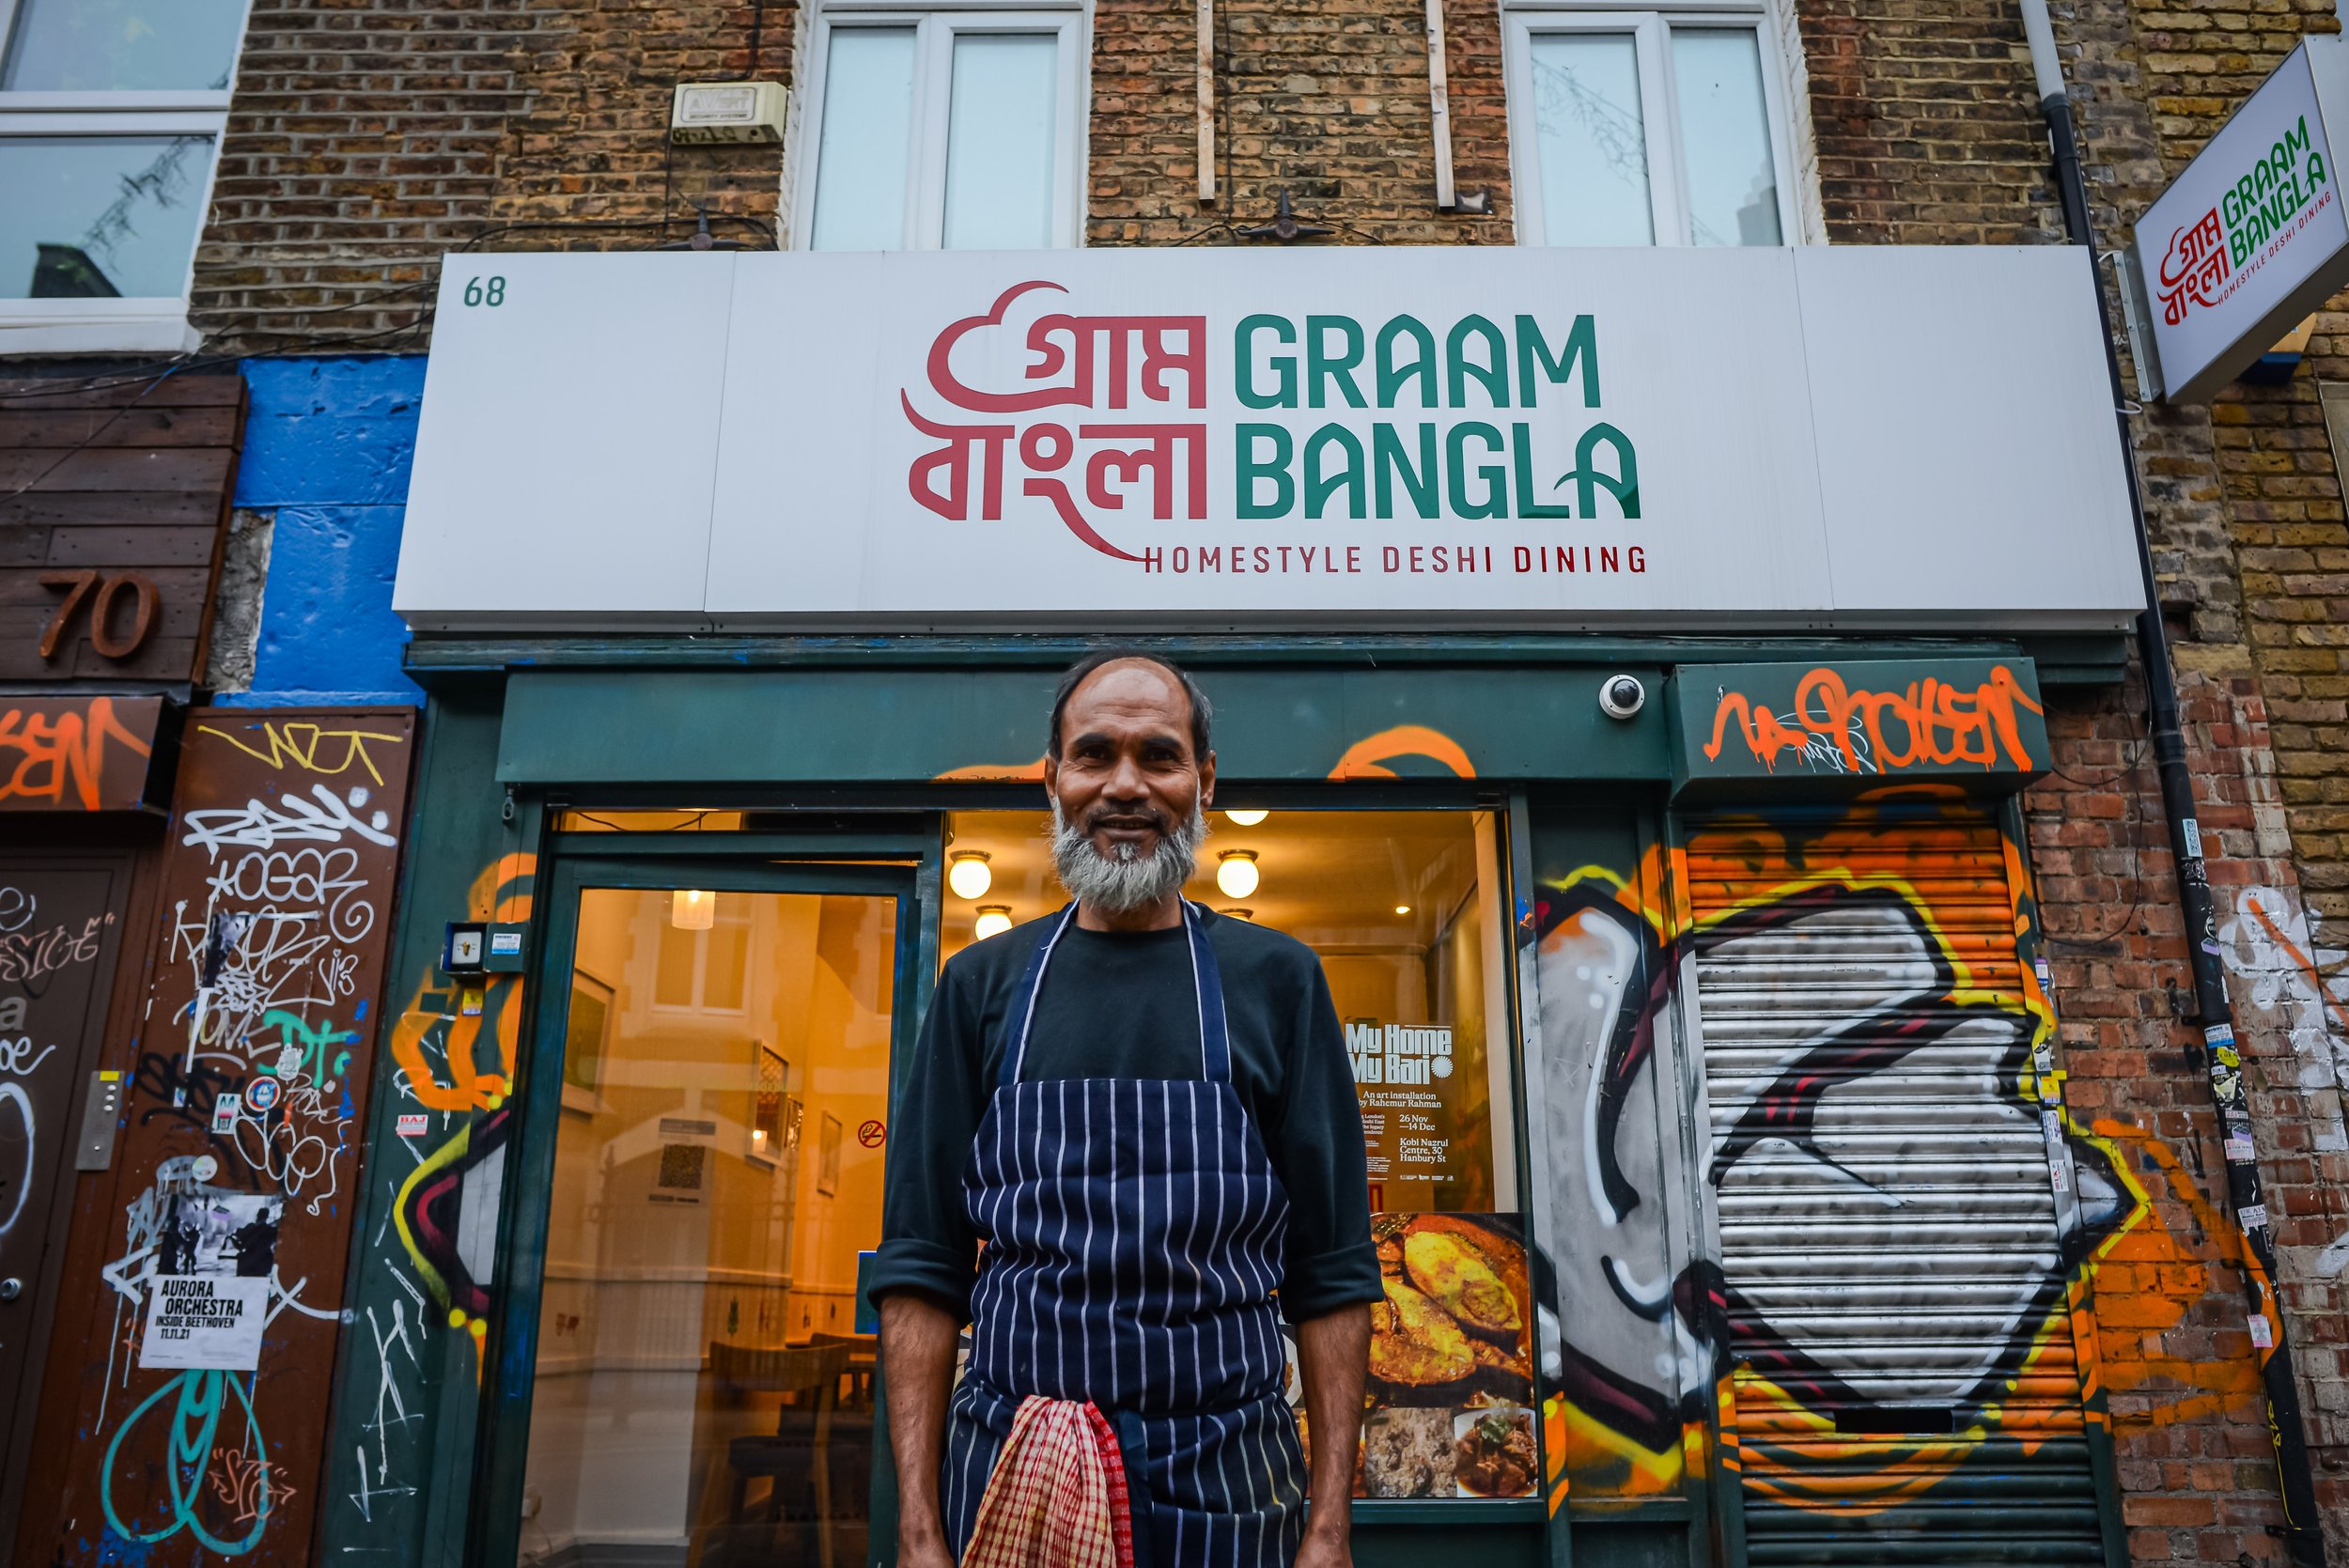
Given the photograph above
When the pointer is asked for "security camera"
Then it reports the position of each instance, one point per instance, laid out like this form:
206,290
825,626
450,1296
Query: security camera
1621,696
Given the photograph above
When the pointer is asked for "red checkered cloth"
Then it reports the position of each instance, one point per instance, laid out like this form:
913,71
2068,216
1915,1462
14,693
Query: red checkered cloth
1057,1496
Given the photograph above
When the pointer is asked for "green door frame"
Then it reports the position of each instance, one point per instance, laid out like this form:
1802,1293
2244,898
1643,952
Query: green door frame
726,862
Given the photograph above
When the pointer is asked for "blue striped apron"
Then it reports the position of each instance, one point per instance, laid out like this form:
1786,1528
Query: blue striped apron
1133,1232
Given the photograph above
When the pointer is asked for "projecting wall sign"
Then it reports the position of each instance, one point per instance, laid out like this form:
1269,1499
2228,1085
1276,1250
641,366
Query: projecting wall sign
1843,437
2252,236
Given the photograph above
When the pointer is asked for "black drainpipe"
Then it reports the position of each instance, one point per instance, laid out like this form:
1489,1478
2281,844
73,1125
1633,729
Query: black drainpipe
2303,1536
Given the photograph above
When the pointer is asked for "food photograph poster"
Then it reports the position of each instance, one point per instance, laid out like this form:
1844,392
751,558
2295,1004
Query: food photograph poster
1451,1393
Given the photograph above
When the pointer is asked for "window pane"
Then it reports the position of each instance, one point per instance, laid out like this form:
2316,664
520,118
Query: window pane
1591,143
122,45
1725,134
999,142
100,216
863,161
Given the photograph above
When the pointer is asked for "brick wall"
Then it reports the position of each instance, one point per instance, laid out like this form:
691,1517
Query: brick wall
1928,131
2174,1350
1328,102
366,137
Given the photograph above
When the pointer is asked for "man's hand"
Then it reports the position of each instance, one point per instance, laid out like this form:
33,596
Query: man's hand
929,1552
917,1352
1325,1547
1332,1359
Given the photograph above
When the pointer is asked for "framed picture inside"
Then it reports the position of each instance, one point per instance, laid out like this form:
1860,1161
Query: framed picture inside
828,1155
772,1073
587,1040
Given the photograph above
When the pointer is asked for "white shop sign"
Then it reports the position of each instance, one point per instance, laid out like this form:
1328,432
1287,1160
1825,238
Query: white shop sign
2253,235
1394,439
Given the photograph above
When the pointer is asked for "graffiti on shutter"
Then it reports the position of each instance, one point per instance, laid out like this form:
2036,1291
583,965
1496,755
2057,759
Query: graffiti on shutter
1893,1243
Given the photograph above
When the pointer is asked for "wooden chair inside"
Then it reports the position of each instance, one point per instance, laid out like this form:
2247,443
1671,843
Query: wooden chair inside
796,1461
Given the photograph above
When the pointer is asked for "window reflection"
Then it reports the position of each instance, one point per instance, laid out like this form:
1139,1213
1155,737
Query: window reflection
1593,141
865,152
999,142
702,1394
1725,137
94,217
122,45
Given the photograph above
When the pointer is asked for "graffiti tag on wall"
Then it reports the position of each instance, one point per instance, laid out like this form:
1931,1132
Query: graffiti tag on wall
241,1149
76,754
1864,721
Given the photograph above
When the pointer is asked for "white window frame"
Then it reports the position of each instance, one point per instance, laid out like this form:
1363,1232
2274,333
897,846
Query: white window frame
1650,26
936,23
149,324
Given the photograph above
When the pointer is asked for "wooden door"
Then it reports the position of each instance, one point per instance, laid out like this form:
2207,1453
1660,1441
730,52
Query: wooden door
59,925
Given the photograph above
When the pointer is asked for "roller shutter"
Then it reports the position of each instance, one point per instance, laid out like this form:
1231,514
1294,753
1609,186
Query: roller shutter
1893,1241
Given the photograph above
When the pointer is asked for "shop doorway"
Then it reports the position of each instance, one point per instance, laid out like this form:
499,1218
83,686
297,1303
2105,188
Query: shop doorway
708,1122
58,934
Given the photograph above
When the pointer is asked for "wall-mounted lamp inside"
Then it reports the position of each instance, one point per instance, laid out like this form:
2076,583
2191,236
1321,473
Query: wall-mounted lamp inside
693,908
994,920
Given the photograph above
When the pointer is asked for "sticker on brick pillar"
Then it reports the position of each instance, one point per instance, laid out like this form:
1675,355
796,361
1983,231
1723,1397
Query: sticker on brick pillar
2191,832
2240,1150
2263,1332
2252,1216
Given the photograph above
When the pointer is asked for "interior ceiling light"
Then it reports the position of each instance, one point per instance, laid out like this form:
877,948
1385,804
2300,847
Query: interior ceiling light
994,920
1245,818
693,908
968,874
1402,909
1236,872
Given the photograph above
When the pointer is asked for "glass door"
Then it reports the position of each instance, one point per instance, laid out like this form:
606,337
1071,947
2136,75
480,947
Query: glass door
706,1114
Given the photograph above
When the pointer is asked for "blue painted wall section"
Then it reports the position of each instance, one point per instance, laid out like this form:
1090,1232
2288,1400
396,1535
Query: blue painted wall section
328,447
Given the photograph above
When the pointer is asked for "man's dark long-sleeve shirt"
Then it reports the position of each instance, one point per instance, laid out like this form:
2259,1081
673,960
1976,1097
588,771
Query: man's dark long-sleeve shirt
1117,1005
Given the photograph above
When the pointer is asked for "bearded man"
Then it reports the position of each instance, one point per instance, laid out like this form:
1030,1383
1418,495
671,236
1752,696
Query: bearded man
1127,1126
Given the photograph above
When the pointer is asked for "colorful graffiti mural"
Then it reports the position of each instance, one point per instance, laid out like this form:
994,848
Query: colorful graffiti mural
1877,1053
453,1052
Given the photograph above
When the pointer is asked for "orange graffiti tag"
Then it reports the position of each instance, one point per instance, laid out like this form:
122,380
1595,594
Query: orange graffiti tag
1944,725
2300,961
66,751
500,893
1367,758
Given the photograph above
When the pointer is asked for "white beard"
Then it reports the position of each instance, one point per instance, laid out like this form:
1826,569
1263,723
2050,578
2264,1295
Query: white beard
1129,882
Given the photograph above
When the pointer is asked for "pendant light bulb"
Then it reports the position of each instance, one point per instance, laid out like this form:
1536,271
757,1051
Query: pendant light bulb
693,908
1245,818
969,874
1236,872
994,920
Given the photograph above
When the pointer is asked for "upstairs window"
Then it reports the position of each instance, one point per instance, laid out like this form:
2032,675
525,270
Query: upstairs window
1660,127
111,114
945,130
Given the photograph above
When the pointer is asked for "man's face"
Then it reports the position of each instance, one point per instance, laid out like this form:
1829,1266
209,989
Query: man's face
1126,777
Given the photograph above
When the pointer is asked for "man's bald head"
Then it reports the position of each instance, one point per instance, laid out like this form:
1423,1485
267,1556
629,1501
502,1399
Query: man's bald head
1093,664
